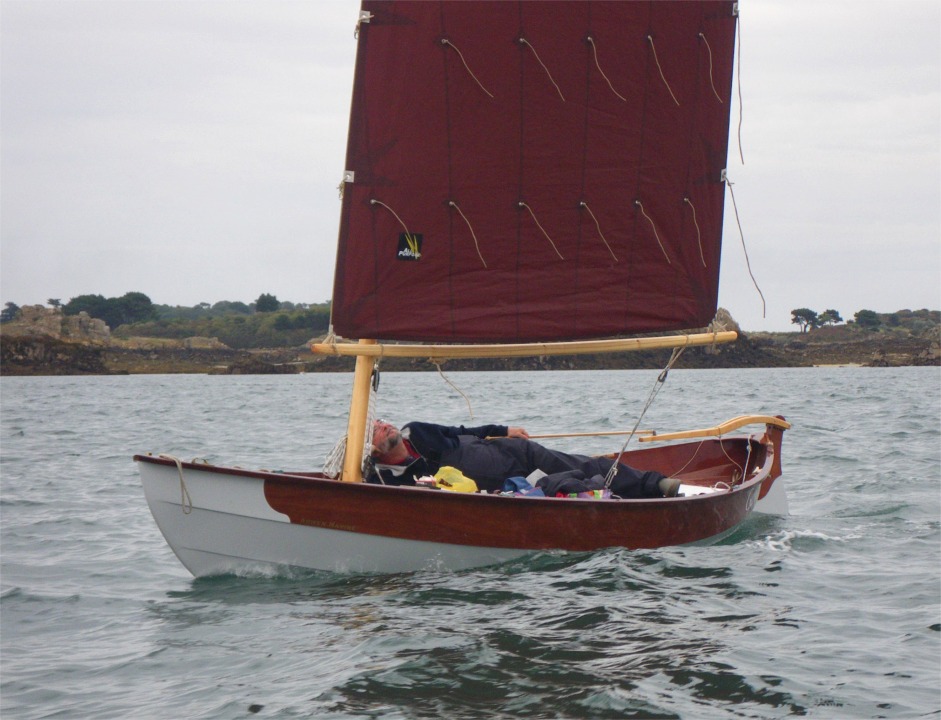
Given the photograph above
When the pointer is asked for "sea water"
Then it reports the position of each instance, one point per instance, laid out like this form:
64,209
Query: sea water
831,612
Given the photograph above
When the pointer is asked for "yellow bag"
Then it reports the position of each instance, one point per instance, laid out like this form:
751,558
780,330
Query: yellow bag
449,478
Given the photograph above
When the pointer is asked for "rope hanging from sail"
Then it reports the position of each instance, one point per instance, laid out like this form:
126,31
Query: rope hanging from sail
524,41
453,204
535,220
601,234
448,43
711,82
594,49
698,234
744,248
655,233
373,201
657,386
738,75
662,76
437,363
409,238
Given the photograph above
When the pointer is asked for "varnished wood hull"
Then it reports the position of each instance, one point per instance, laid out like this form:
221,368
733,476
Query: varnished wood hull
250,519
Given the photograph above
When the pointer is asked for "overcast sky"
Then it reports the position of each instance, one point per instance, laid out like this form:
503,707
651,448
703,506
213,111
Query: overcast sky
192,150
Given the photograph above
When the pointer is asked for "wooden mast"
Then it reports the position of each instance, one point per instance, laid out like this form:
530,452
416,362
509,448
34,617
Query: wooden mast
359,410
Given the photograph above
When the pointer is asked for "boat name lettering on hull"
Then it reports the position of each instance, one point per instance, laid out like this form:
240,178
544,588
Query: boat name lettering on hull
327,525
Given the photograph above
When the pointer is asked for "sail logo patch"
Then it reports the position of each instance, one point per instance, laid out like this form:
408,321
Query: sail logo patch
409,246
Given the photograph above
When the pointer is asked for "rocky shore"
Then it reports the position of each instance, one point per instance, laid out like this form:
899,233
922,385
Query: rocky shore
44,342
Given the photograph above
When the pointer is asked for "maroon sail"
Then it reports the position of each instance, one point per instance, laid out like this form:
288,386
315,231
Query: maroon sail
534,171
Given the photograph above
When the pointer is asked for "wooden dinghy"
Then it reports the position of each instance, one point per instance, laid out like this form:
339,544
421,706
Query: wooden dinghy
223,519
522,178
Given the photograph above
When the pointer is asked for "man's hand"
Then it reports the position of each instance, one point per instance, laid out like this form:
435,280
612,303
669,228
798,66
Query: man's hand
517,432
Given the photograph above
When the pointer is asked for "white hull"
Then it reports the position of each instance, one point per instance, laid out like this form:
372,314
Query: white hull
231,528
775,501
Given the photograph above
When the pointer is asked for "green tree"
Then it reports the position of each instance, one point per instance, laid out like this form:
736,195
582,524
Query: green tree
227,306
867,319
805,317
9,312
130,308
237,327
54,302
133,307
95,305
282,322
266,303
829,317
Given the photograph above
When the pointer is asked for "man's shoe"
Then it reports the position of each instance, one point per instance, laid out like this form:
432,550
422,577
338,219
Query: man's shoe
669,486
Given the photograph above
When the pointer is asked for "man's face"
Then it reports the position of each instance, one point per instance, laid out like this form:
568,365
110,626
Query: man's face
385,437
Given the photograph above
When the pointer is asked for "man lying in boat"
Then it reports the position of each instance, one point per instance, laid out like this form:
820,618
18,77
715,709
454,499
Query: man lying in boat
490,454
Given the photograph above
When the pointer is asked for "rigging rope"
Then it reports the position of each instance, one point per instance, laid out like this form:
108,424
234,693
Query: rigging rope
585,205
711,82
661,379
738,35
698,234
445,41
655,233
333,462
548,74
453,204
745,249
370,417
379,202
186,503
437,364
594,49
409,238
653,47
522,204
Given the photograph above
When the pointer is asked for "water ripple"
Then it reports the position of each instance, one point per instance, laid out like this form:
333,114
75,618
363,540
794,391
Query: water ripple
829,613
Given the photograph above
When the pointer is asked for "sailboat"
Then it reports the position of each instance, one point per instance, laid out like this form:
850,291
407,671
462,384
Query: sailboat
522,179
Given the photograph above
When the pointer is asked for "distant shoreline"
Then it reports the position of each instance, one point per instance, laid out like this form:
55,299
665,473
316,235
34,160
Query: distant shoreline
825,348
